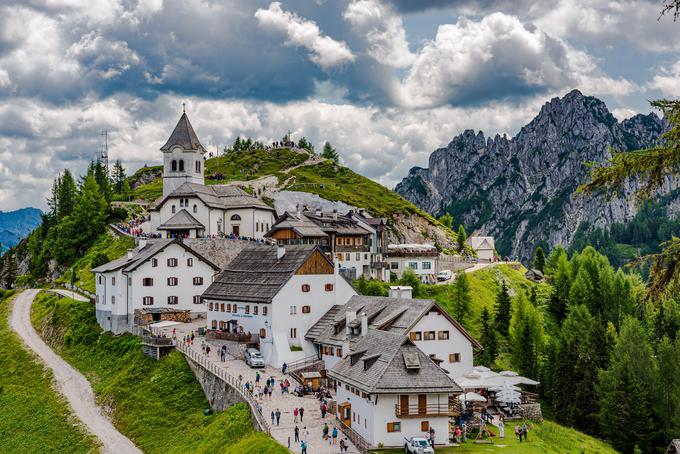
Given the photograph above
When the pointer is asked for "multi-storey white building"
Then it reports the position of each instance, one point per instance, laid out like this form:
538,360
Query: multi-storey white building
388,389
275,294
191,209
158,277
426,323
422,259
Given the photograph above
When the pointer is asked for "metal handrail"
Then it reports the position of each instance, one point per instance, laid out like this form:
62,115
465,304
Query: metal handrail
300,363
229,379
362,445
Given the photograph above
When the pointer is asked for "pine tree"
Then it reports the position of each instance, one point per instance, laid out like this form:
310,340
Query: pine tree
668,385
488,340
526,335
462,237
87,222
561,281
118,178
306,145
102,179
330,153
539,259
447,220
10,269
626,391
237,144
67,192
461,296
503,310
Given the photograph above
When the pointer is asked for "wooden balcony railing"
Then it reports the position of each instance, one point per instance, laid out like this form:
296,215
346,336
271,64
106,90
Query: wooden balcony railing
415,410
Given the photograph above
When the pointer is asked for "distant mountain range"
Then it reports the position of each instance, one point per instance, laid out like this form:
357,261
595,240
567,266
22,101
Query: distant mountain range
521,189
16,225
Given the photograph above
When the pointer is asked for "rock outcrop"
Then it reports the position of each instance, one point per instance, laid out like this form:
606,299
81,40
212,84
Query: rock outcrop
521,189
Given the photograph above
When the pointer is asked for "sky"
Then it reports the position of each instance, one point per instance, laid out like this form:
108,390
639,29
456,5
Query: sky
385,81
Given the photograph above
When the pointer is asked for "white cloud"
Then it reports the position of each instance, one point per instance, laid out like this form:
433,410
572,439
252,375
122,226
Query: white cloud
103,57
383,30
668,81
324,50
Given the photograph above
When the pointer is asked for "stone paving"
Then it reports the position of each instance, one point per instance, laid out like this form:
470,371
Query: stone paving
312,425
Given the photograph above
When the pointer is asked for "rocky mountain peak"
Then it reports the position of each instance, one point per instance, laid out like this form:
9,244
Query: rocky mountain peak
520,189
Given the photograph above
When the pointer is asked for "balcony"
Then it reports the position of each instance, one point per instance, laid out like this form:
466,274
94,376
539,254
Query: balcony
415,410
379,265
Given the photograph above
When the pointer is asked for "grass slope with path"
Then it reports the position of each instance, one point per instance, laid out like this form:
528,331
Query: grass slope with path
35,418
157,404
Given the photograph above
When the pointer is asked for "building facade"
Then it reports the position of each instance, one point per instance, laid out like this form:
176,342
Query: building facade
158,277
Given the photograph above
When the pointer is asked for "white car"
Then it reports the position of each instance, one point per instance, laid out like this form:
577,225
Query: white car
444,275
417,445
254,358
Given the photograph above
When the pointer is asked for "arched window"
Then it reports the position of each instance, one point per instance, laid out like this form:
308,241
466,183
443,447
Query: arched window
173,165
173,208
181,165
236,217
195,208
198,166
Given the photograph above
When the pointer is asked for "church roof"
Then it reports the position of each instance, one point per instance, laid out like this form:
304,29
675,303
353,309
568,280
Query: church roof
184,136
216,196
182,220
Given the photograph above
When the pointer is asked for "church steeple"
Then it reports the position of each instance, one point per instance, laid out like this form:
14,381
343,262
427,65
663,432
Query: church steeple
182,157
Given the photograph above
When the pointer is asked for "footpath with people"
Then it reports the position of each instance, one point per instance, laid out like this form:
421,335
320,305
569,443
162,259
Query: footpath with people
301,423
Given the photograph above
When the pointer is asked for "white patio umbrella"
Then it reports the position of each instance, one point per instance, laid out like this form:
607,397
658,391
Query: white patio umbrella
508,373
505,387
471,397
508,395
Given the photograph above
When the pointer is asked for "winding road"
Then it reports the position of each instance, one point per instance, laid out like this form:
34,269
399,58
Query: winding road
70,383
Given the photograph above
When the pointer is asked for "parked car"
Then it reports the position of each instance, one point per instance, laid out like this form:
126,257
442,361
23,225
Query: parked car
254,358
444,275
417,445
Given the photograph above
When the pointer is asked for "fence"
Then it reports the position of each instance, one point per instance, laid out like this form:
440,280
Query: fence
230,380
362,445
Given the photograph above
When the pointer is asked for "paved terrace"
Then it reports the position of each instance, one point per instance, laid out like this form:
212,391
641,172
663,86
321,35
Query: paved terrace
286,403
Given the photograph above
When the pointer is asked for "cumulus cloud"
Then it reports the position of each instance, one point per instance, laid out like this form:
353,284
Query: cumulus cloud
323,50
668,81
383,31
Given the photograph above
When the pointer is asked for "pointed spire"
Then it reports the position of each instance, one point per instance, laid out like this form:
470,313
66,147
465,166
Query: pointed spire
183,135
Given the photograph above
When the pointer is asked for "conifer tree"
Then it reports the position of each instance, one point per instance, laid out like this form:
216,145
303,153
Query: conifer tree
102,179
503,310
118,178
330,153
668,385
67,192
488,340
10,269
462,237
561,281
626,391
447,220
539,259
526,335
461,296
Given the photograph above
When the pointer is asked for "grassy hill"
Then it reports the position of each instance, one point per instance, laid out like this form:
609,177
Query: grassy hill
34,417
157,404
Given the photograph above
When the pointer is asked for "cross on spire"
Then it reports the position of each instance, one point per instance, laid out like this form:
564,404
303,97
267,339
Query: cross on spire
184,107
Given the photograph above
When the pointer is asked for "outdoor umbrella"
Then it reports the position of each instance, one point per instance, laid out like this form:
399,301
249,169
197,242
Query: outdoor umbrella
471,397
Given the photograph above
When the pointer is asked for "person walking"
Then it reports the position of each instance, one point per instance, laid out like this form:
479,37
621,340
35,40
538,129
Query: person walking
305,434
525,430
501,429
273,417
278,416
257,377
324,431
296,431
283,368
334,434
302,413
303,447
432,437
295,415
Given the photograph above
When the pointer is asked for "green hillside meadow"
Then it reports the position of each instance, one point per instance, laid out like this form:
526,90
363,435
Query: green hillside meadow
157,404
34,417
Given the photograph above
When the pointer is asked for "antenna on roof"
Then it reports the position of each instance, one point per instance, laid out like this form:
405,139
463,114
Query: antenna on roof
104,154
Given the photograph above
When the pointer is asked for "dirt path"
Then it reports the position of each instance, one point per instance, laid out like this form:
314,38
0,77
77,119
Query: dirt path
70,383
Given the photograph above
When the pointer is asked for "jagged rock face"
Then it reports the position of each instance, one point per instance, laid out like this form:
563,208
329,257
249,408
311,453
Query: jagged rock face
521,190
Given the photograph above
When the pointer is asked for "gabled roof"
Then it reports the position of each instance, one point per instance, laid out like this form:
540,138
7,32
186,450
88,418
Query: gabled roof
181,221
310,224
184,136
386,362
481,242
257,274
397,315
215,196
141,254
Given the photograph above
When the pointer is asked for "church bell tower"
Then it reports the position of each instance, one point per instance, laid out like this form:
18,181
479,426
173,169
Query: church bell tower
182,157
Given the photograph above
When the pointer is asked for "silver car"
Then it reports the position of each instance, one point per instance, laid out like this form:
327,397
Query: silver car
254,358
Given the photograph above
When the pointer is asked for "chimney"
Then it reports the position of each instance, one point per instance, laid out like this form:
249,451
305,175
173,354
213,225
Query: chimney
360,211
364,323
335,213
345,347
280,252
129,254
402,292
350,316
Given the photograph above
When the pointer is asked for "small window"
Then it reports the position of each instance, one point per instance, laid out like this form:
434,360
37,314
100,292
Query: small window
198,280
113,281
172,281
265,310
228,307
416,335
147,282
210,306
328,287
195,208
172,263
147,300
190,261
454,358
214,324
173,299
306,309
222,307
443,335
129,281
181,165
394,427
428,335
413,265
173,208
113,299
293,310
198,166
236,217
173,165
257,227
234,309
154,263
338,352
255,310
394,265
293,333
263,333
424,426
427,265
358,255
197,299
247,309
305,288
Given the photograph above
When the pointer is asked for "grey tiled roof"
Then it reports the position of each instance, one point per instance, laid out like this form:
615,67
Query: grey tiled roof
181,220
141,255
309,224
257,275
184,136
396,315
387,362
216,196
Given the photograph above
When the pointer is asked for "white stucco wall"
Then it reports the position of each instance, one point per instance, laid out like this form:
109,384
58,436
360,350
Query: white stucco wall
173,180
403,265
457,343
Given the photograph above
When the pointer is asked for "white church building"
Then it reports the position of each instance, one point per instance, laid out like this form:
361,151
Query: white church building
191,209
